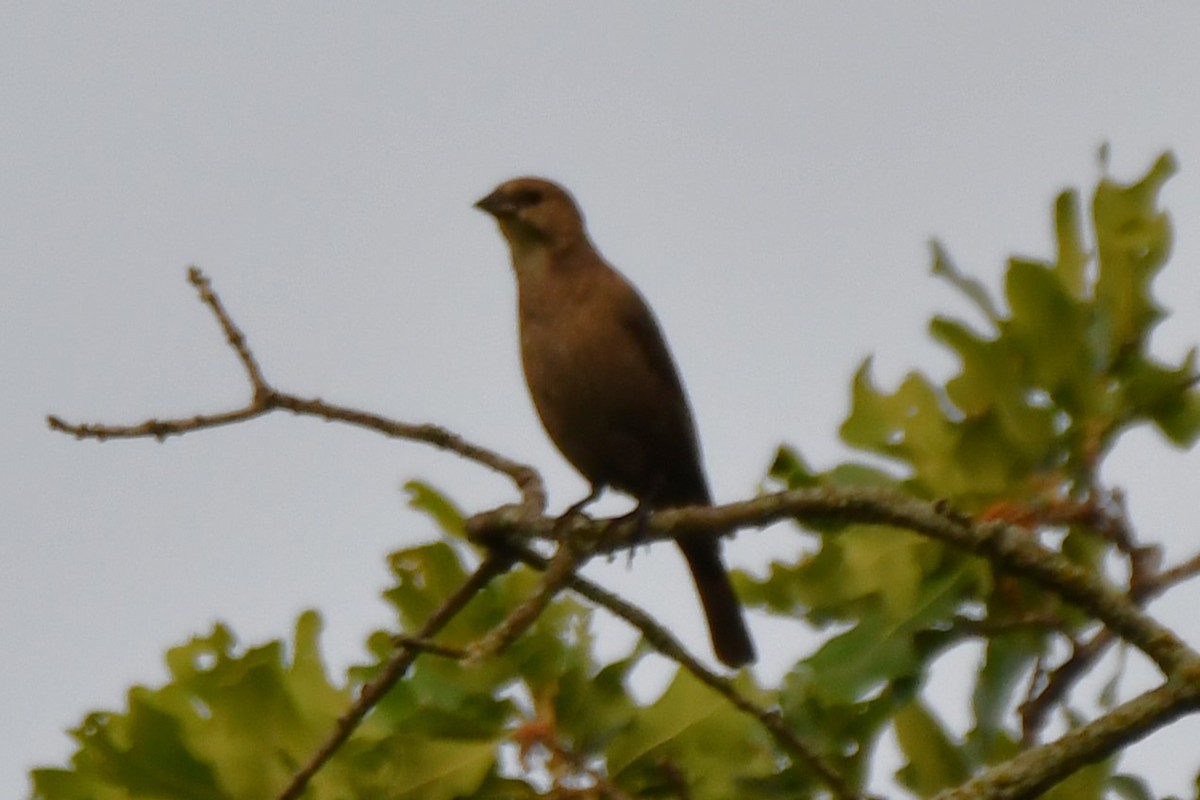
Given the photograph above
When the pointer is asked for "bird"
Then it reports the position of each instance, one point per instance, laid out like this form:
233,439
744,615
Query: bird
604,383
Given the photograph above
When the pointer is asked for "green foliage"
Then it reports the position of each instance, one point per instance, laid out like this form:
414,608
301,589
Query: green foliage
1049,377
1042,394
221,728
699,734
237,724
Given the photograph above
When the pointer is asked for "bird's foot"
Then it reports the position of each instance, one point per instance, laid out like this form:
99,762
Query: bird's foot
576,509
639,518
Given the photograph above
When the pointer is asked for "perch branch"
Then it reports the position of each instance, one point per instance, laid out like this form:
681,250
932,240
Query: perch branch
1008,547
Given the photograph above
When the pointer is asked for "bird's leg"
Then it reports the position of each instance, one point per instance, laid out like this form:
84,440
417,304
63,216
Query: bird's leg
577,508
640,517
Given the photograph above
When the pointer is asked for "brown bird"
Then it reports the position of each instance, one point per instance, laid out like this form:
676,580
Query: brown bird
604,383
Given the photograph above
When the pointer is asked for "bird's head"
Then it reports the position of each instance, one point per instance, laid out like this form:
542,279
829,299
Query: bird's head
534,213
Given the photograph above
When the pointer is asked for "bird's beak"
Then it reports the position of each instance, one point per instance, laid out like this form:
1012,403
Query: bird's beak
497,204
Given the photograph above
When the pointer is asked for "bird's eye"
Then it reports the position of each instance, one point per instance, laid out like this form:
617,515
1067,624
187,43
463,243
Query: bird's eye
528,197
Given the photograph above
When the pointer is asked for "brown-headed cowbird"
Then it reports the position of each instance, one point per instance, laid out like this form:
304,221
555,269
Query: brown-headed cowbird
604,383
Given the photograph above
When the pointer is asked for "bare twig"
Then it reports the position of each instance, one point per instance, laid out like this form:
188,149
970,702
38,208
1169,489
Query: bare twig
1177,574
233,334
158,429
265,399
1037,679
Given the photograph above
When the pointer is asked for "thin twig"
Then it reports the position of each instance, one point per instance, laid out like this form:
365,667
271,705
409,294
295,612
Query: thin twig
426,646
158,429
557,574
265,398
392,671
1177,574
963,626
1036,709
672,648
1145,582
233,334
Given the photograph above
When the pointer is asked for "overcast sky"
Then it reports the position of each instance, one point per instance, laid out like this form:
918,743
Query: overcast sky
770,175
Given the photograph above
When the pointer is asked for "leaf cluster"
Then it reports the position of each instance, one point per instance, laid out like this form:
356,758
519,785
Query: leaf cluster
1044,389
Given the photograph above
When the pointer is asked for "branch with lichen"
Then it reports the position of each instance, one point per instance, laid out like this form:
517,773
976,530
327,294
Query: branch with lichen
1033,771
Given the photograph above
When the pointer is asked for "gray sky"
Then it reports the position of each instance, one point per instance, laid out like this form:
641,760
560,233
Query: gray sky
770,178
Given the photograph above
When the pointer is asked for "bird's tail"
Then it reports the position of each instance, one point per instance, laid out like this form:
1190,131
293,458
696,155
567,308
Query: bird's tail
730,639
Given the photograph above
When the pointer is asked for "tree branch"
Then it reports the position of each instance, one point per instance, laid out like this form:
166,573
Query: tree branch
1146,581
1008,547
557,573
672,648
1033,771
265,399
392,671
233,334
1059,681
